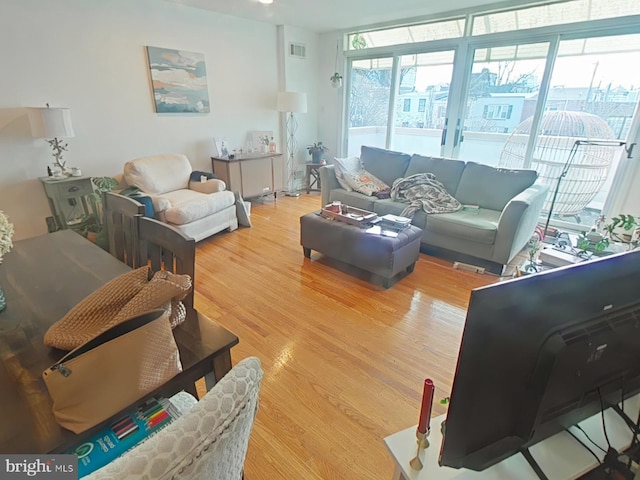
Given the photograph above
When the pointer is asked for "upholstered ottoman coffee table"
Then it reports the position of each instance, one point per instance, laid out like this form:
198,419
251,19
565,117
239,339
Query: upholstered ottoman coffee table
378,254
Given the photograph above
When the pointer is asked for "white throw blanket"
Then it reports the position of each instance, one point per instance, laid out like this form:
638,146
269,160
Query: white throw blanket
423,191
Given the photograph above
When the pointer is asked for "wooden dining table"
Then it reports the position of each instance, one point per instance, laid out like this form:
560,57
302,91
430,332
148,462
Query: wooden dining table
42,279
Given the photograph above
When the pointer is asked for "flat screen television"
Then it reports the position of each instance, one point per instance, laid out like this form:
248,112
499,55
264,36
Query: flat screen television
539,354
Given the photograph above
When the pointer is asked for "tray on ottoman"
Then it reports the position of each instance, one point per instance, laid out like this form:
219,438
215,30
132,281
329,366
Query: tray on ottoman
347,214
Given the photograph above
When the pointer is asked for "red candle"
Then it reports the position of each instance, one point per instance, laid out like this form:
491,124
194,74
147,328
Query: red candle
427,403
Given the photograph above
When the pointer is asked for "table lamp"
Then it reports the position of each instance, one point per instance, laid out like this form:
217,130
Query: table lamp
52,124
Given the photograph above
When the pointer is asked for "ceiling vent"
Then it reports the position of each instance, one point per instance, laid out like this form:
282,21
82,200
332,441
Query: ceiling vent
298,50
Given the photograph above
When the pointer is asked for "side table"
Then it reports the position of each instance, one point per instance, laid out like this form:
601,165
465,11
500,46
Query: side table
313,176
68,200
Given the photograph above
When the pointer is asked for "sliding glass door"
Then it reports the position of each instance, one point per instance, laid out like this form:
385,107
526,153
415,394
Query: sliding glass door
502,92
421,102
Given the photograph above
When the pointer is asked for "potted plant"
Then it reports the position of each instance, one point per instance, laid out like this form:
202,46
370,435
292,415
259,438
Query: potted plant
622,229
317,151
94,224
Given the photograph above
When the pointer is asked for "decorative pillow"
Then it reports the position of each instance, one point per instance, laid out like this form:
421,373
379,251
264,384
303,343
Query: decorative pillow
343,166
365,182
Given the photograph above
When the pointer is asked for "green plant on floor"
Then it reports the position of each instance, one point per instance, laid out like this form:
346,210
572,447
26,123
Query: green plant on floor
94,223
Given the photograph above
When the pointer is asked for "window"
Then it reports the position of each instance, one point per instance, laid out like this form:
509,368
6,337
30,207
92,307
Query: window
491,99
553,14
407,34
492,112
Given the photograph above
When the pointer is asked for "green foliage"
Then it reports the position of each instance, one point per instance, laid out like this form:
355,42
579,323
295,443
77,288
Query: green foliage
102,185
585,245
629,224
317,147
358,42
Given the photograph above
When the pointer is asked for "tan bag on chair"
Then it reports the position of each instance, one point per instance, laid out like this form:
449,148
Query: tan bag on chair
113,370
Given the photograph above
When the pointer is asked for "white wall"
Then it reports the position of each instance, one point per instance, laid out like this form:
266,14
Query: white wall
330,104
90,56
300,75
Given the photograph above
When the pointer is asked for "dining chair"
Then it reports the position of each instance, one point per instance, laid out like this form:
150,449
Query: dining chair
209,441
166,248
120,215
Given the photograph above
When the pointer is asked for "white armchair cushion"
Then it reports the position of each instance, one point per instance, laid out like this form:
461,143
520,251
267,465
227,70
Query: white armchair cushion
210,441
160,203
158,174
188,205
210,186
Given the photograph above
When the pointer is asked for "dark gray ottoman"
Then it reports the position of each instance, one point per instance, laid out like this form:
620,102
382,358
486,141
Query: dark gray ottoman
378,254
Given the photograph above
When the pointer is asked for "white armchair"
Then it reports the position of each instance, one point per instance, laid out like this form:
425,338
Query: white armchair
208,442
198,209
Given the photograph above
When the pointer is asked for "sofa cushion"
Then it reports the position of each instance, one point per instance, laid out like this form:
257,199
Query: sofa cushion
388,206
447,172
384,164
491,187
479,226
188,206
365,182
158,174
353,199
342,166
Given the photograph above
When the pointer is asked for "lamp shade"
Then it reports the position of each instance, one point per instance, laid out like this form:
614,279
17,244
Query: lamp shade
292,102
50,122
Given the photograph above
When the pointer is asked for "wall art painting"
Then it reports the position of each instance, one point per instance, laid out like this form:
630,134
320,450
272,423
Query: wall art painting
179,81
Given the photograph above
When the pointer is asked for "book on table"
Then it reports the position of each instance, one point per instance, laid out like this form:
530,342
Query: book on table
395,222
124,434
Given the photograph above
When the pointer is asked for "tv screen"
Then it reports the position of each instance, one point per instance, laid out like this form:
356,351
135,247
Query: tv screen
539,354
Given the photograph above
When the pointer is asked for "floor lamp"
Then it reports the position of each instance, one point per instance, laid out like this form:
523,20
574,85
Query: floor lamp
569,162
291,103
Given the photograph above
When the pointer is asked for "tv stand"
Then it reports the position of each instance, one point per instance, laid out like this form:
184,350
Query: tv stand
559,456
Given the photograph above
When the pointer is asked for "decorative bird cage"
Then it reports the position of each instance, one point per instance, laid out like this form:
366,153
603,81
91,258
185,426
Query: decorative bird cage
558,132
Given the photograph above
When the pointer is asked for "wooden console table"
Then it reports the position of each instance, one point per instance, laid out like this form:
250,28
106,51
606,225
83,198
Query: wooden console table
42,278
251,175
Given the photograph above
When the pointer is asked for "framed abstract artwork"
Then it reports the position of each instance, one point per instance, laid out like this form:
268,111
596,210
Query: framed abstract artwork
179,81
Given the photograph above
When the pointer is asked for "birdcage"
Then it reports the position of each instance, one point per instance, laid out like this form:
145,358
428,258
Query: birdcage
589,167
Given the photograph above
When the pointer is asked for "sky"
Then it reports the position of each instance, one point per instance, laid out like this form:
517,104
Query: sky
573,71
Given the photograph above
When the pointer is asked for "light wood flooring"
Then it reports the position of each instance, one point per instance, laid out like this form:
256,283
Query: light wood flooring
344,359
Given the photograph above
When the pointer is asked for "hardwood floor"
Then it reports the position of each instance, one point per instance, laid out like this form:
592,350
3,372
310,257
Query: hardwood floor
344,359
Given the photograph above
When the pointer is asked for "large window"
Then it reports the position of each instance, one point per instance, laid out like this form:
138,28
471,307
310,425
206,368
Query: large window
494,97
369,103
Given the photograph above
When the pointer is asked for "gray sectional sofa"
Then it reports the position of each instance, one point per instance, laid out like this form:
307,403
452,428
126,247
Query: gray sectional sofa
490,236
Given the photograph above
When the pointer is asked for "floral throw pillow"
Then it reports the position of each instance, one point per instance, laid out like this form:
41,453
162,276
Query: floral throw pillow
364,182
343,166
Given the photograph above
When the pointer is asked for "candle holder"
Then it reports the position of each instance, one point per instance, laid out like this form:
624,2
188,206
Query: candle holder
423,443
